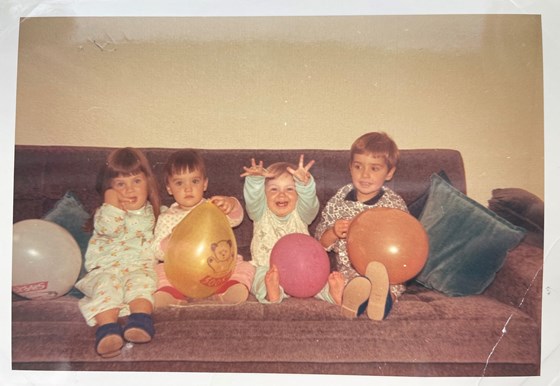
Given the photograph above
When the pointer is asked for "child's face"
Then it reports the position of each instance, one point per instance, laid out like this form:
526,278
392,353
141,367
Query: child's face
187,188
132,190
369,173
281,195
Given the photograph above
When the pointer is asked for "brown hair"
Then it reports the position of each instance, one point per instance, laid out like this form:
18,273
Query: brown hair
128,161
378,144
182,161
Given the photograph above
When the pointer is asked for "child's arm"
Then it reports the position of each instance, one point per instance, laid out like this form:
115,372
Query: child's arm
255,199
253,189
162,232
109,220
308,203
231,208
338,231
331,228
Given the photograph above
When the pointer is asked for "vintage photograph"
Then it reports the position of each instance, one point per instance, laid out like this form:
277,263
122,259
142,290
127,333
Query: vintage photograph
341,195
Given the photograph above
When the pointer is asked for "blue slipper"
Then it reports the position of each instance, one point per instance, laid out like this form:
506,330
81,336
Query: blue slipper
139,328
108,340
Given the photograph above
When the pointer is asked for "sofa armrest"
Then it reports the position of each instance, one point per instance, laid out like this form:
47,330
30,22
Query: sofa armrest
519,282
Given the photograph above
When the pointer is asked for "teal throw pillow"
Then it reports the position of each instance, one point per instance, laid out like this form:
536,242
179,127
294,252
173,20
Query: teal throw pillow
468,242
69,213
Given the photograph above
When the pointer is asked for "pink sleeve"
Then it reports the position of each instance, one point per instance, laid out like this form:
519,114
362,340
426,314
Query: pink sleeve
236,215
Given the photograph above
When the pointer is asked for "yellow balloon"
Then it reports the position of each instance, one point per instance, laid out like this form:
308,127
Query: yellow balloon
202,252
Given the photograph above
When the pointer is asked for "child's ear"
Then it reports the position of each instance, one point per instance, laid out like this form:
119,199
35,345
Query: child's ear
390,174
168,190
205,183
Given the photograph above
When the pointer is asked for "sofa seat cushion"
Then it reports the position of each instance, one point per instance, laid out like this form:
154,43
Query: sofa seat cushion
308,334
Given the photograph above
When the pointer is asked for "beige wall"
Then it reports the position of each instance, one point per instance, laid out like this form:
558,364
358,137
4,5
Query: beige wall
472,83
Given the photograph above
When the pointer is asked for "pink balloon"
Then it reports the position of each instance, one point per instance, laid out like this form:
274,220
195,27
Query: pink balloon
303,264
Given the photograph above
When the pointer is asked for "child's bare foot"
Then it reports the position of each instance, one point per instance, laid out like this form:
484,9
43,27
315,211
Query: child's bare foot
336,286
272,283
235,294
163,298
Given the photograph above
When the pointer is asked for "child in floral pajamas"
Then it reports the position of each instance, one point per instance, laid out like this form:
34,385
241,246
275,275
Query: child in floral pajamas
373,161
120,279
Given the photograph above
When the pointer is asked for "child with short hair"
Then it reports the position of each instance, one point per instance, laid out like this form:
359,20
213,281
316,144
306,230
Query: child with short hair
373,161
186,180
281,199
120,279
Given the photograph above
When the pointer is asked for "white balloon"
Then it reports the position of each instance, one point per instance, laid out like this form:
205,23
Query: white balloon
46,260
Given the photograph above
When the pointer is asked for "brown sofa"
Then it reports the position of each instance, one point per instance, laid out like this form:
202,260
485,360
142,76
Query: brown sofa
428,333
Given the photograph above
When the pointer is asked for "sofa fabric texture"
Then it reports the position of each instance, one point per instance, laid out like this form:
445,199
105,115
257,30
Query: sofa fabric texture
428,333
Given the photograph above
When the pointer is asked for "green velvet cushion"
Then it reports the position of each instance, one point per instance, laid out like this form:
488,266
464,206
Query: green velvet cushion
415,207
69,213
468,242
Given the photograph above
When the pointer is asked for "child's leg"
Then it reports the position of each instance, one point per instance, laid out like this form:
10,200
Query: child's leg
108,336
139,288
272,283
166,294
236,289
139,327
332,291
259,287
244,272
100,307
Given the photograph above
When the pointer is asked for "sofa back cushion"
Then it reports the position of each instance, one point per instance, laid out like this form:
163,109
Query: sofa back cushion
43,174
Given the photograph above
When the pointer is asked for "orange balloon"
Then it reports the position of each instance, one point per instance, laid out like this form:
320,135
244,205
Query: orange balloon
391,237
202,252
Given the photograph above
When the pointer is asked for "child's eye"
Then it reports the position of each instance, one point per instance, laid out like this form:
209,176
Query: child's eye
196,181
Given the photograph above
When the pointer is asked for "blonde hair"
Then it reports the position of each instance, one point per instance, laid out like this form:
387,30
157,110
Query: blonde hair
279,168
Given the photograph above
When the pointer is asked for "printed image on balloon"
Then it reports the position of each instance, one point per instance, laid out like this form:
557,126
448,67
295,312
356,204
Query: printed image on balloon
303,265
46,260
201,253
391,237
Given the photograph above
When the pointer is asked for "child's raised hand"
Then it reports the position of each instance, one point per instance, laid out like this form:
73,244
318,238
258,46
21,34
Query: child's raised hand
302,173
256,170
226,204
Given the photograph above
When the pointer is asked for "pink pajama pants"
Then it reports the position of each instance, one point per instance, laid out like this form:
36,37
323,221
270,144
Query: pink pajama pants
243,273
